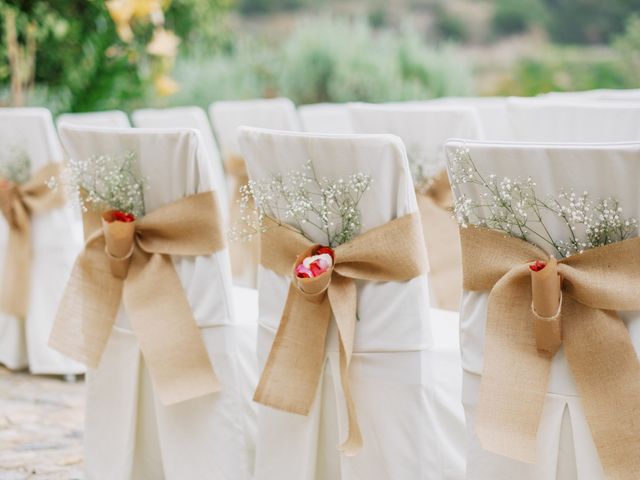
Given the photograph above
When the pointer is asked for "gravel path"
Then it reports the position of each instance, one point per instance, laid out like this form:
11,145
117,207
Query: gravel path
41,421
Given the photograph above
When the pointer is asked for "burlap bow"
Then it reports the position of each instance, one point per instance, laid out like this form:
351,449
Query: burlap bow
391,252
442,241
244,255
597,345
131,263
18,203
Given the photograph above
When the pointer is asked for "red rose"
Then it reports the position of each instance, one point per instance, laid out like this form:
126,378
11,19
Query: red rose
316,269
537,265
323,249
119,216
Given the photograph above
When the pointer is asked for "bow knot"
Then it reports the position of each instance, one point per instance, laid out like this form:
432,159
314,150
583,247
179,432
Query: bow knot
129,263
595,285
18,203
391,252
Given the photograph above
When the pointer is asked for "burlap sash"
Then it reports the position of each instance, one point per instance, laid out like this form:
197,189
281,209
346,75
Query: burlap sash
391,252
595,284
443,243
131,263
246,254
18,203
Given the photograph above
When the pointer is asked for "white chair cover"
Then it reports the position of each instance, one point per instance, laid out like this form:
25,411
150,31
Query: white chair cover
129,434
424,128
392,371
109,118
325,118
565,447
599,94
540,120
188,117
55,242
227,116
492,112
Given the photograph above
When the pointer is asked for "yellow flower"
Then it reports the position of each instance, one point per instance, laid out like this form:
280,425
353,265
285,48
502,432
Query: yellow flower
121,12
165,86
144,8
164,43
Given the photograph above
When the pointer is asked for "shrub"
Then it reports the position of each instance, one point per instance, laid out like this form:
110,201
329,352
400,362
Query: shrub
564,70
81,64
449,26
338,60
512,17
589,21
628,47
327,60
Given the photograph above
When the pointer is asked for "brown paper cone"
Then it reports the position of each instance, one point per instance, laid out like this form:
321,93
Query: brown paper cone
545,291
316,285
119,239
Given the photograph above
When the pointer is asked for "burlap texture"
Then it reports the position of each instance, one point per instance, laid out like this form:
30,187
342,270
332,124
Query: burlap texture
598,348
18,203
391,252
150,291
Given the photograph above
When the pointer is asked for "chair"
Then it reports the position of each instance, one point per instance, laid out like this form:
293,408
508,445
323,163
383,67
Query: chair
392,370
129,433
565,449
538,120
188,117
492,112
325,118
109,118
55,242
424,129
226,117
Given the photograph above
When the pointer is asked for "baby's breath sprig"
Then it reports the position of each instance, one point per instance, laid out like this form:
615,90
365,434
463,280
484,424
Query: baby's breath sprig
512,206
302,198
106,182
15,166
425,166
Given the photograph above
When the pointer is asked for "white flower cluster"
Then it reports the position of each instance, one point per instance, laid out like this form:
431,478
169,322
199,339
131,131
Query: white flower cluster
425,166
104,182
15,166
331,206
512,206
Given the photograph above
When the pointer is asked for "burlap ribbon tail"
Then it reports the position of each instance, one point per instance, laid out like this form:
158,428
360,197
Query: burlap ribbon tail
18,203
244,255
442,242
289,381
130,264
517,356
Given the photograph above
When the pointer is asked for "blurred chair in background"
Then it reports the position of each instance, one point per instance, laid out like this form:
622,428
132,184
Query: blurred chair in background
44,241
226,118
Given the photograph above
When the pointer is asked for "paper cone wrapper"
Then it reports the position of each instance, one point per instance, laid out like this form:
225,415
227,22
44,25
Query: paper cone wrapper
315,285
119,238
545,290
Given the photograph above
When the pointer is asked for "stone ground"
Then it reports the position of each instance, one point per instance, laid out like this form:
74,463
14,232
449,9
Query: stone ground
41,419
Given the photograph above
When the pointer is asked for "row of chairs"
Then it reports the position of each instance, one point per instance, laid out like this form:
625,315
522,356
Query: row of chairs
405,373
